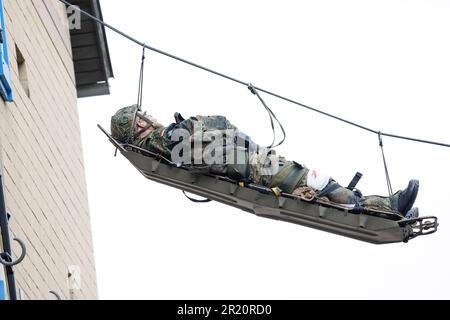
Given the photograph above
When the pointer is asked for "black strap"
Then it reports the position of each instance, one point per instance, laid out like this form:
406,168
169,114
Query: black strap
355,181
196,200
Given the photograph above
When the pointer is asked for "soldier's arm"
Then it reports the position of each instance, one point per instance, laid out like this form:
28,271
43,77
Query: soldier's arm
156,142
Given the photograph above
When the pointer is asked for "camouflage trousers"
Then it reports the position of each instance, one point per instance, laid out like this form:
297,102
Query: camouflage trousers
340,195
345,196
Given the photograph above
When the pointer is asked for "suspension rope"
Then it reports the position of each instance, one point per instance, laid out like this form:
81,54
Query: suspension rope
141,80
386,172
142,44
272,116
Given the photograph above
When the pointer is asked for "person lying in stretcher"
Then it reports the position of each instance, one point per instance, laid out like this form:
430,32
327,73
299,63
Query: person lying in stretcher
214,143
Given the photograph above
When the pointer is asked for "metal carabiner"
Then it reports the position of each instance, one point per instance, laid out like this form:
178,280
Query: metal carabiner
4,257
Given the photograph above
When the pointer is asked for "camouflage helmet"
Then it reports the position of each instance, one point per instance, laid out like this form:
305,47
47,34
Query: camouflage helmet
122,124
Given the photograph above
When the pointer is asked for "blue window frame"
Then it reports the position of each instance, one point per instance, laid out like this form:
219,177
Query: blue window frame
2,290
5,77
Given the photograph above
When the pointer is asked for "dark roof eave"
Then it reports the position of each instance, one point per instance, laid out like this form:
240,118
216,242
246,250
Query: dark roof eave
92,61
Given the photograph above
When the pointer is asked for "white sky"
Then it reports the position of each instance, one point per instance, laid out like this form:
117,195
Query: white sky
383,64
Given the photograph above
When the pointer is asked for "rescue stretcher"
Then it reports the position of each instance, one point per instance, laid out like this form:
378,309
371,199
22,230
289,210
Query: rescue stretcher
373,226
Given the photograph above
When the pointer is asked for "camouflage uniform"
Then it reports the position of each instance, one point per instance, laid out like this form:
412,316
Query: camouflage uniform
288,177
157,141
160,140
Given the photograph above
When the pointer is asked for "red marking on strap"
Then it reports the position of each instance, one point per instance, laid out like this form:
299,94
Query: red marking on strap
314,174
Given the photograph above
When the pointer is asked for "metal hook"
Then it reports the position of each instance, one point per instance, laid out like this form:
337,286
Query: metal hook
7,256
58,297
380,138
251,88
144,46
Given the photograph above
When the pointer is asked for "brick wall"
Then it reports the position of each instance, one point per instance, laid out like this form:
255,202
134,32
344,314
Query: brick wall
41,153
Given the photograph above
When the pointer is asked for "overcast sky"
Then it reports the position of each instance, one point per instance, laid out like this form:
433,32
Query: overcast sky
383,64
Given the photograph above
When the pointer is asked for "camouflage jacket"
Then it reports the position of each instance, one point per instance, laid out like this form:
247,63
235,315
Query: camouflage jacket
161,140
249,167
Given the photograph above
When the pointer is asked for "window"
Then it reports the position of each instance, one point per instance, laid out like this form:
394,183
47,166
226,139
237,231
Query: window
22,68
5,78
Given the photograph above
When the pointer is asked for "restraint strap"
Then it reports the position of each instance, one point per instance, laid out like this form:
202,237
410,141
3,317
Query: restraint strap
196,200
290,183
289,177
329,189
280,176
355,181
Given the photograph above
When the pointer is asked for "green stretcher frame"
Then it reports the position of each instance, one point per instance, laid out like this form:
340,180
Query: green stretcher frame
373,226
